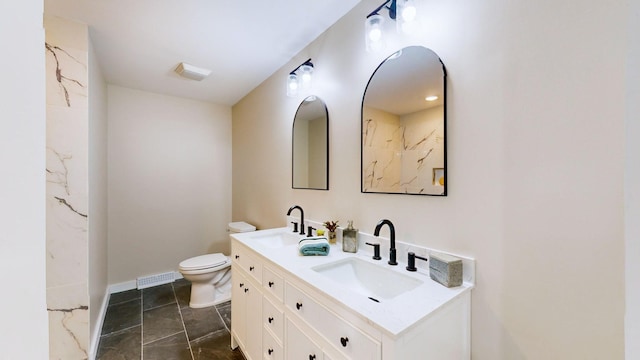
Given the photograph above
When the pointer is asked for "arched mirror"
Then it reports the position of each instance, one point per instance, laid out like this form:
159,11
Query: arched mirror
403,125
311,145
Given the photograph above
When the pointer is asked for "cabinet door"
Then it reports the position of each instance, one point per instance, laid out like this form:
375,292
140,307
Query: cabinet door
253,323
246,315
238,306
299,346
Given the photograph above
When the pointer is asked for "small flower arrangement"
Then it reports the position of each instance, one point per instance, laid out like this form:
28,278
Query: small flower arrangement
331,225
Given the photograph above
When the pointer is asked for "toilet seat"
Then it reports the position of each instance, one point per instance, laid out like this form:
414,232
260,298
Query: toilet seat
205,262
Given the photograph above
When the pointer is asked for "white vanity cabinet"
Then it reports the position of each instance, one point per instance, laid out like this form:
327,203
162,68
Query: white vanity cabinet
246,304
279,314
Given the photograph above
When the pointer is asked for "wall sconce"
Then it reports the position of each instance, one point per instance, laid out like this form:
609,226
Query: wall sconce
295,82
402,11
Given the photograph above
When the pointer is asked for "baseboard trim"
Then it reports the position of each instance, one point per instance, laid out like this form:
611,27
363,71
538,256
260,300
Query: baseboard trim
123,286
133,284
97,330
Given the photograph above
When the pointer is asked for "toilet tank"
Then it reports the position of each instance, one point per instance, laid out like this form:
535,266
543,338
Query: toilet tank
240,227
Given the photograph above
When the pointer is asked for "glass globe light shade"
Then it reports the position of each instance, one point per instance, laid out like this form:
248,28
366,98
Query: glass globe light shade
306,72
292,85
374,36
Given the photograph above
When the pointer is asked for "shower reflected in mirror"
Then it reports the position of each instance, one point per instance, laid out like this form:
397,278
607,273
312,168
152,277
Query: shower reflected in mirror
404,125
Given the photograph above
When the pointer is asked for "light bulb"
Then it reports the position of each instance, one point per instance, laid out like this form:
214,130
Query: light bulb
292,85
373,33
409,13
431,98
305,77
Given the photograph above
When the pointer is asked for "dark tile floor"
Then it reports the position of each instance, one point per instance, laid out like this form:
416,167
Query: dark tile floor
157,324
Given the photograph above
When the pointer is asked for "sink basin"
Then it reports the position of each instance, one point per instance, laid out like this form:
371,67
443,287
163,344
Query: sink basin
276,240
365,278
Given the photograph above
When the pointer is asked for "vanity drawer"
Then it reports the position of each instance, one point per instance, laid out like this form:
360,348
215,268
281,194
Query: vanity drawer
271,348
273,318
340,334
241,257
273,283
299,345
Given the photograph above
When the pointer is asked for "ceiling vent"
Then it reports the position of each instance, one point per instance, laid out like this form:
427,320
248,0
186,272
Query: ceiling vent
192,72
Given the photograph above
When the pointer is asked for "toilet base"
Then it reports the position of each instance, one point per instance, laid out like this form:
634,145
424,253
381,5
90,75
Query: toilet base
218,300
205,295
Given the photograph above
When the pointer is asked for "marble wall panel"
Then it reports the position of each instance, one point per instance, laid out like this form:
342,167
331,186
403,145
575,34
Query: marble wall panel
68,84
68,321
67,189
401,153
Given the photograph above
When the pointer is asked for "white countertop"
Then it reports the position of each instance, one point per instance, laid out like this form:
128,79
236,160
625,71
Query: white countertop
393,316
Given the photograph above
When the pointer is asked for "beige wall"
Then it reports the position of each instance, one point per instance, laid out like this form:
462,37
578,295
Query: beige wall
535,154
169,181
97,196
632,186
24,325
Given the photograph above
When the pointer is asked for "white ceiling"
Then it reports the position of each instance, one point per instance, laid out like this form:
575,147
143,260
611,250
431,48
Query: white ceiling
400,84
140,42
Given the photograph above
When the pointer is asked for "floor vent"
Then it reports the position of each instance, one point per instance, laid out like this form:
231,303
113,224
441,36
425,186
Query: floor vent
154,280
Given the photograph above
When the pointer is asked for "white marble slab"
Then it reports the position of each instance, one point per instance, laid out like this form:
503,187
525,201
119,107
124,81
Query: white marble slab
67,76
67,188
68,321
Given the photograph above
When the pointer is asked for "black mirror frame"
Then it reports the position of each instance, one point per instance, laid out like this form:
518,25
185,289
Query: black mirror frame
293,147
446,177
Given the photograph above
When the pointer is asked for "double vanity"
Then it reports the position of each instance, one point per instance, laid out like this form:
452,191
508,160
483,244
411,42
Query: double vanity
341,306
359,306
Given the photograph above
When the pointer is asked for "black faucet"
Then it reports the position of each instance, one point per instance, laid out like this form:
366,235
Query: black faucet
392,238
301,217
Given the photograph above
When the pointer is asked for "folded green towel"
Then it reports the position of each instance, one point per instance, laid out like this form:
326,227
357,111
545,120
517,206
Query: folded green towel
314,246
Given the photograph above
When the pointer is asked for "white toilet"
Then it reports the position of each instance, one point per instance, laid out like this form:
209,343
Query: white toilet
210,275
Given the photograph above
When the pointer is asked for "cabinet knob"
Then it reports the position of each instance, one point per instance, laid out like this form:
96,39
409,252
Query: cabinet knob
270,283
312,356
344,341
237,256
250,268
246,290
241,284
270,351
298,306
270,320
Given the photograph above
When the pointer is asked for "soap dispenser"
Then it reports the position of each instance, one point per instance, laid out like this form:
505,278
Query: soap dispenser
350,238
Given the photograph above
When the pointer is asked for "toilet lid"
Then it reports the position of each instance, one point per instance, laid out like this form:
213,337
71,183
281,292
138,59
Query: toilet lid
204,261
240,227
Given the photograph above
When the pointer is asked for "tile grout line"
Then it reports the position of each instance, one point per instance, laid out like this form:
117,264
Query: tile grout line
161,338
118,332
184,327
221,318
125,301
